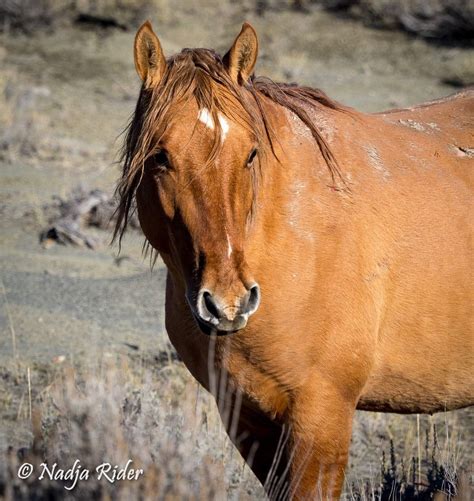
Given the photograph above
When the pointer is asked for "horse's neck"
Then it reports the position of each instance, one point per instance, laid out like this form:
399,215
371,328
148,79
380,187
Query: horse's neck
297,168
297,197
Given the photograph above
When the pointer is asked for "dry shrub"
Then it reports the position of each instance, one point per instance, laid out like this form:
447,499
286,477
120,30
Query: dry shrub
21,122
159,419
433,19
29,15
421,457
434,474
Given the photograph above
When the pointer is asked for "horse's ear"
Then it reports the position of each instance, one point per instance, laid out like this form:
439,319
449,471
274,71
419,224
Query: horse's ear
150,61
242,56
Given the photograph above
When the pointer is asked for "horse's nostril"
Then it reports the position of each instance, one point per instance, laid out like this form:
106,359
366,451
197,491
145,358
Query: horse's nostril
207,308
211,305
254,299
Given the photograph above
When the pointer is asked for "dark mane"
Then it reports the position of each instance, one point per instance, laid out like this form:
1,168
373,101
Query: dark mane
201,74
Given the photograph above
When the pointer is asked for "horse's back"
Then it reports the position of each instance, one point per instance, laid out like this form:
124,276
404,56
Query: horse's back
460,102
450,118
431,143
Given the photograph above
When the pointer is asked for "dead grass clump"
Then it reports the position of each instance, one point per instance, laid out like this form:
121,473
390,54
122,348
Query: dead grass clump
434,474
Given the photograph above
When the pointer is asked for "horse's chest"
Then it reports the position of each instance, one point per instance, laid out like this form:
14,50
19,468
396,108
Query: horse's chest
257,376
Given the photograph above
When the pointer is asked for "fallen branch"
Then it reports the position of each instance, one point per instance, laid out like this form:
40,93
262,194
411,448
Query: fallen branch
71,217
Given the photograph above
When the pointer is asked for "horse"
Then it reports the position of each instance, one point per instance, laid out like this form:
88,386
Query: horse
318,258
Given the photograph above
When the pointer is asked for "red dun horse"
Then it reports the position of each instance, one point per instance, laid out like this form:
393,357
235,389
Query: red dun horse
317,256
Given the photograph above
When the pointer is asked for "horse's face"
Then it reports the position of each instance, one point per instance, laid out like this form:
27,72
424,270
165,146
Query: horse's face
195,206
197,212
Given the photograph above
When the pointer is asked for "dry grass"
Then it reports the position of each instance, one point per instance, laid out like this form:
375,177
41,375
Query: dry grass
155,414
122,410
438,469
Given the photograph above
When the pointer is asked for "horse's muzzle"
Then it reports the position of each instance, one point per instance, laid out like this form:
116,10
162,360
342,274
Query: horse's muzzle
214,315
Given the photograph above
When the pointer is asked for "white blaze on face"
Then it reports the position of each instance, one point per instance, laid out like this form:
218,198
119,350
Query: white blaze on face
224,126
205,117
229,246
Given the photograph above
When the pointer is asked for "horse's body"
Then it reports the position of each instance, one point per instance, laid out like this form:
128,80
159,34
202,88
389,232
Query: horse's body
366,290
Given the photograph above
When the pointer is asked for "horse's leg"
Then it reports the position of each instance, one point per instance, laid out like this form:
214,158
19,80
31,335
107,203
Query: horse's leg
262,442
321,420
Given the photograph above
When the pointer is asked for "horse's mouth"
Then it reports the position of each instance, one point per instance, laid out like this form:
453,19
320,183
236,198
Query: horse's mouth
221,326
210,329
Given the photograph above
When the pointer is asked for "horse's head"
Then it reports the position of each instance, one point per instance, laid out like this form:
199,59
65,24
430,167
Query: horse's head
191,161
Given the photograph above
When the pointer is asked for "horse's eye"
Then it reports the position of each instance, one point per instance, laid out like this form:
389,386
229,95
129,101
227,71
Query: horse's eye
251,157
159,161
